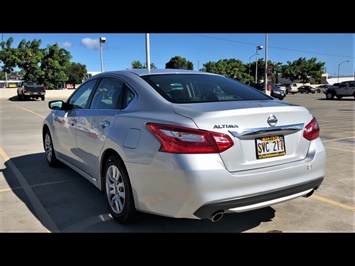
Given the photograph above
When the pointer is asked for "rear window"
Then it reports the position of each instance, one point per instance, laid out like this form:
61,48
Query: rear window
187,88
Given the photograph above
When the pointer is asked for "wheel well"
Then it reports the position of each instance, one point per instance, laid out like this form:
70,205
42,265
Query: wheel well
44,130
104,159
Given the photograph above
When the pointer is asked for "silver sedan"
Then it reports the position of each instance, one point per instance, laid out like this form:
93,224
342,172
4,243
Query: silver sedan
184,144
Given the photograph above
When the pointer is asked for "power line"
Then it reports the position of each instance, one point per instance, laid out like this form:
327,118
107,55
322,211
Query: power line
274,47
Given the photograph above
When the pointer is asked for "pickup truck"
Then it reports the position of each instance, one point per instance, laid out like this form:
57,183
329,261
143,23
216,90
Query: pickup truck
30,89
344,89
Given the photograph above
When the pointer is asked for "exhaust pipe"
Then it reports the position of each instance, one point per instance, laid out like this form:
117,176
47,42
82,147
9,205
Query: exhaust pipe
216,216
309,194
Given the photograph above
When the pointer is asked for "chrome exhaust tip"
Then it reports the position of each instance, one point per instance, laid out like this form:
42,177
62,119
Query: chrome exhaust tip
216,216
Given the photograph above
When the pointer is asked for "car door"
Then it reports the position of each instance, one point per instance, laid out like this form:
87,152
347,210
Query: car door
96,123
66,123
348,89
344,89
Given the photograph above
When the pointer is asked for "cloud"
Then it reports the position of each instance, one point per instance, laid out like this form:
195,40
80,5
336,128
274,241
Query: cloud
91,43
66,45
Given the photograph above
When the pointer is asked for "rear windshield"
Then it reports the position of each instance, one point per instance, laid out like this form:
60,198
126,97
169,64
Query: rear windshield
187,88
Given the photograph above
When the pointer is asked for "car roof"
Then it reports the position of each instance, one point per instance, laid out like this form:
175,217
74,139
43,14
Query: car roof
145,71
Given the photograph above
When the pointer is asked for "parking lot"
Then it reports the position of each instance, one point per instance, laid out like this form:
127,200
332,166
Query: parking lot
37,198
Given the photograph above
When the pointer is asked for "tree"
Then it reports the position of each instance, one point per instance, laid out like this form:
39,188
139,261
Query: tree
8,57
139,65
49,66
178,62
54,65
228,67
303,70
29,57
76,73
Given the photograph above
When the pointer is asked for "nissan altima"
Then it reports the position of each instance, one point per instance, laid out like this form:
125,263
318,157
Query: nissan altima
184,144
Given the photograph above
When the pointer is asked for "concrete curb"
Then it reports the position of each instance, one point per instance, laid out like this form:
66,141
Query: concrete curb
11,94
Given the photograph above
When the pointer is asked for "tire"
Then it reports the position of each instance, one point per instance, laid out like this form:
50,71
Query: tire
42,98
49,149
20,97
318,90
118,191
329,95
339,97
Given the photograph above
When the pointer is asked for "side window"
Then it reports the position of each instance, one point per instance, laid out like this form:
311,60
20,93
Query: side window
81,96
107,94
127,97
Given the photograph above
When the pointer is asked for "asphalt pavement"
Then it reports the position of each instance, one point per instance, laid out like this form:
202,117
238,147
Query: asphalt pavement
37,198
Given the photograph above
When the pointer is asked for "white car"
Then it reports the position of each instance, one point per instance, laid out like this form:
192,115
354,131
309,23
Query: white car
292,88
184,144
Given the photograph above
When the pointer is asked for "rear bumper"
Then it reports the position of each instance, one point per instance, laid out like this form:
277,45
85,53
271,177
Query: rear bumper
259,201
34,94
198,186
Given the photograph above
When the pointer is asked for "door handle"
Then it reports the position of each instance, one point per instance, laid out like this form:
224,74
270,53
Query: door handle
104,124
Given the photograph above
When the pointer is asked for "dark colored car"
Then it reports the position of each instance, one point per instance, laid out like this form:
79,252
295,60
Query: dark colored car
306,89
276,90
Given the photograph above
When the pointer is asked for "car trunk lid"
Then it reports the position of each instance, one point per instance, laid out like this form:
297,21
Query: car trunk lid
262,131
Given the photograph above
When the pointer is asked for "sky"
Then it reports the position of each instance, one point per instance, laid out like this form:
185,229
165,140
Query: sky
337,50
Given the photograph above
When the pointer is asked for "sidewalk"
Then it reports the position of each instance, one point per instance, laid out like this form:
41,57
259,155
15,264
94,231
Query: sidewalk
11,93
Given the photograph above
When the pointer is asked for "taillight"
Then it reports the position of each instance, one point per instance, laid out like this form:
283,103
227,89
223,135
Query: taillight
311,131
24,88
44,88
176,139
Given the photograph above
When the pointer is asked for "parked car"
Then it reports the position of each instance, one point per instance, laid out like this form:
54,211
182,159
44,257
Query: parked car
344,89
31,90
292,88
322,88
184,144
276,90
306,89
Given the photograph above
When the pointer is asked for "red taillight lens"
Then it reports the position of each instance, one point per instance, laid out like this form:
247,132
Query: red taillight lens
311,131
176,139
24,88
44,88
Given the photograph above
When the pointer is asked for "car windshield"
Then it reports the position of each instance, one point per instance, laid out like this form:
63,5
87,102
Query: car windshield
187,88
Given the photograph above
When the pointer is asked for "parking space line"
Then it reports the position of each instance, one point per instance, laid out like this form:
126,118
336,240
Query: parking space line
344,206
339,149
43,215
31,112
331,140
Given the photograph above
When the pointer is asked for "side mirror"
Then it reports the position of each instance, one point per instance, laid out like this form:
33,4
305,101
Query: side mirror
59,105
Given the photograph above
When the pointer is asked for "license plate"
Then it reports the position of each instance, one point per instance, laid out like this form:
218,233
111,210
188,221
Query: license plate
268,147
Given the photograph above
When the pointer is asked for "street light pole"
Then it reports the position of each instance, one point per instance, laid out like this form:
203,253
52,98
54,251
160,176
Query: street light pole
249,63
256,63
339,67
102,40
